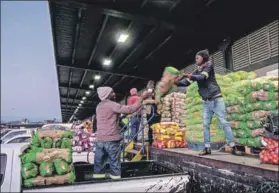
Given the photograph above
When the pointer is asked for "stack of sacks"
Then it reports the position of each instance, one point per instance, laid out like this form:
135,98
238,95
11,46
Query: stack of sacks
194,119
48,160
194,102
260,98
174,109
168,135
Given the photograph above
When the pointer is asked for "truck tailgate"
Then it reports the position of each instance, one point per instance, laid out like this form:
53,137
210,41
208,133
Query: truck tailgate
136,184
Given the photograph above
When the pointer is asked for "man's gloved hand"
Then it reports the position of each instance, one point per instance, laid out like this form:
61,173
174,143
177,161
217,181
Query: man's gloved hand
144,95
189,76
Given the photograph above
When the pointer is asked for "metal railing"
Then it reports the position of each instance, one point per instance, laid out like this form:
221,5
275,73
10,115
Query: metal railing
141,130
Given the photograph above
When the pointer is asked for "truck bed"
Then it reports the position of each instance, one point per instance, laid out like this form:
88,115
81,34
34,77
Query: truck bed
136,177
133,184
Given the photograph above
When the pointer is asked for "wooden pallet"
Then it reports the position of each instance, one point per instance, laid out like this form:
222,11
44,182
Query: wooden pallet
246,149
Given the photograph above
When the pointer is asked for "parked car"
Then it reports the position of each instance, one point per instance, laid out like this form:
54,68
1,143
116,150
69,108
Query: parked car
14,133
4,132
25,138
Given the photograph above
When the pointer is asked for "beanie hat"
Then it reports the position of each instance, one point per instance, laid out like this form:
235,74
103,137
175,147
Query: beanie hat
104,92
204,54
133,91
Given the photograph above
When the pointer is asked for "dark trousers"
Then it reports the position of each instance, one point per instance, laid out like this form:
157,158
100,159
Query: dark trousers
135,123
107,151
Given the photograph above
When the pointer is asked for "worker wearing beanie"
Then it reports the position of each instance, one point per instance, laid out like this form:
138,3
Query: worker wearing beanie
135,120
108,135
213,103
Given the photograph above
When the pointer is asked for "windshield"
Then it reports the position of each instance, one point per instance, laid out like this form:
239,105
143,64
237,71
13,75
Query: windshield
12,134
4,132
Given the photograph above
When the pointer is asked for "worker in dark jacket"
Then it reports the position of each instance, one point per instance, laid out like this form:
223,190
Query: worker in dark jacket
213,103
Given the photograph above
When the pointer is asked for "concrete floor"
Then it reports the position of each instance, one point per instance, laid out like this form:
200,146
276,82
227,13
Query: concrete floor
226,157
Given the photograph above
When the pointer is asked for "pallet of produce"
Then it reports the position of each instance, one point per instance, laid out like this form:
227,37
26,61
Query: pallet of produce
48,159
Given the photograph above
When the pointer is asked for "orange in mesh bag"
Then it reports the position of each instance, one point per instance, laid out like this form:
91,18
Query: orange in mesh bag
269,154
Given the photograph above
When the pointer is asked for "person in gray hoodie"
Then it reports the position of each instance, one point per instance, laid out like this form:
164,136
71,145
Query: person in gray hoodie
108,135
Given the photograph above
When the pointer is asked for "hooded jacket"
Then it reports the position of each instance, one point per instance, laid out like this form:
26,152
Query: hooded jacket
108,114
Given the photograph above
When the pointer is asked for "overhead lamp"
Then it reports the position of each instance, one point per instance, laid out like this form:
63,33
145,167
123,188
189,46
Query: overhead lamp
83,98
80,105
87,92
97,77
81,102
107,62
122,38
91,86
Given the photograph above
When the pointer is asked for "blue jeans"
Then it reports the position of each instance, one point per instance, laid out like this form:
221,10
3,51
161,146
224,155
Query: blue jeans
135,124
107,151
218,108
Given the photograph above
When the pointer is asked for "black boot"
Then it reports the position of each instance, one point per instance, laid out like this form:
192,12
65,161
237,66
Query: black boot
234,151
205,151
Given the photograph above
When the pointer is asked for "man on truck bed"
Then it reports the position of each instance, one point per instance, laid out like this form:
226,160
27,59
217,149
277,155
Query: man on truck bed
108,133
135,120
213,103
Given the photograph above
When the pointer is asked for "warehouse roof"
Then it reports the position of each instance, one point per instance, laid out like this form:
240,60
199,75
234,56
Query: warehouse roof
123,44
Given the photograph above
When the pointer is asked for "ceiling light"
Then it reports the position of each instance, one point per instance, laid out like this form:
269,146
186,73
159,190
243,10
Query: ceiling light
91,86
122,38
83,98
79,105
81,102
106,62
97,77
87,92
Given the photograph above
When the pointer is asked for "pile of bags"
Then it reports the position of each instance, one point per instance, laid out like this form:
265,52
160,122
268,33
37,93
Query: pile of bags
168,135
269,155
174,109
194,119
258,98
48,159
83,141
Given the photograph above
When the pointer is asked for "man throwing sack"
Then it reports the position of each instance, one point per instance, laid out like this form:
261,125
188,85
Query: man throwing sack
213,102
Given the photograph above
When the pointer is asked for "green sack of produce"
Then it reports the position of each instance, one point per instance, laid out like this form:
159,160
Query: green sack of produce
62,167
256,85
271,105
238,124
46,169
254,142
57,143
236,117
31,156
241,141
29,170
256,115
66,143
268,86
46,142
67,134
33,182
63,179
35,140
234,132
257,106
253,124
